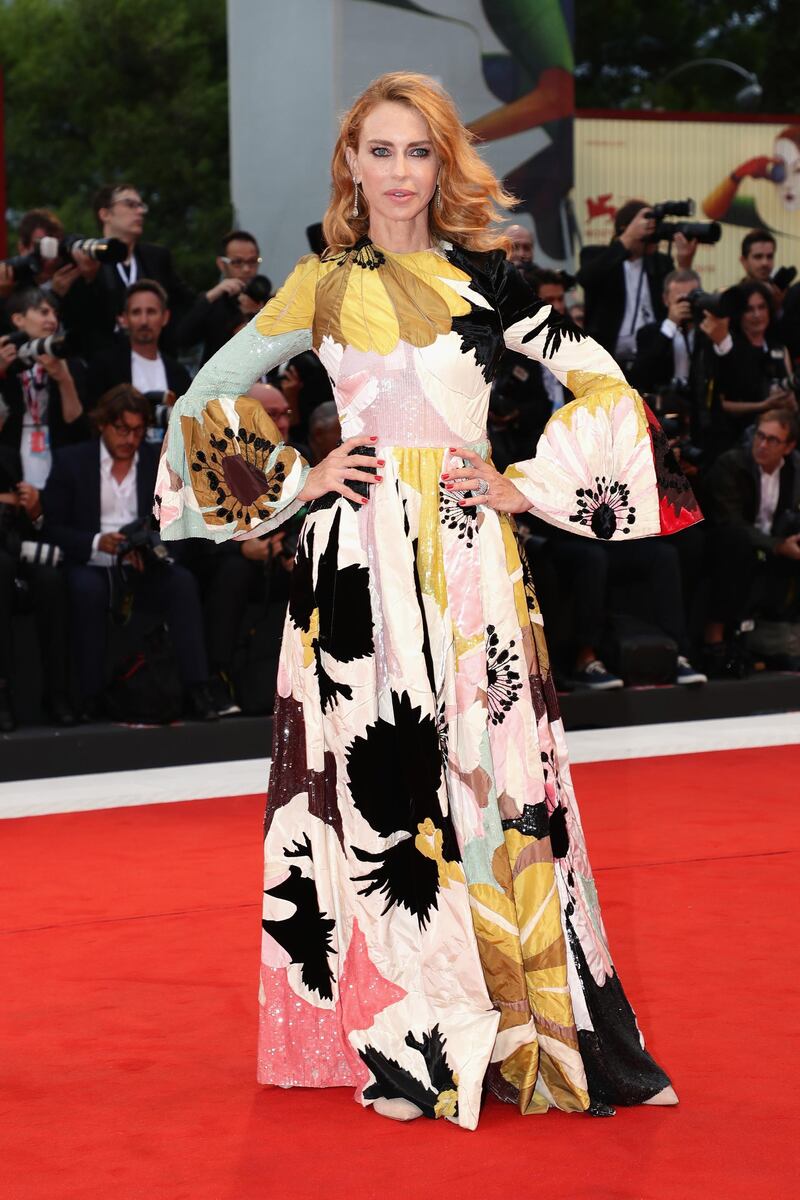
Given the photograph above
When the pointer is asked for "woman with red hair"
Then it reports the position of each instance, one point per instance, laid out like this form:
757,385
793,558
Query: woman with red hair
430,921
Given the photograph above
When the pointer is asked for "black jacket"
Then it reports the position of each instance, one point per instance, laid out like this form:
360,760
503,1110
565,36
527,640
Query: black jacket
89,311
113,366
734,495
61,433
602,277
211,322
71,498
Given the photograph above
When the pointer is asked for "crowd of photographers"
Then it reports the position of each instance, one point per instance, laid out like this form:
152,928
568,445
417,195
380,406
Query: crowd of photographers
95,338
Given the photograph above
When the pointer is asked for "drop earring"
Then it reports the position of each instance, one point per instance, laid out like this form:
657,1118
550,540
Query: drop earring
438,200
355,198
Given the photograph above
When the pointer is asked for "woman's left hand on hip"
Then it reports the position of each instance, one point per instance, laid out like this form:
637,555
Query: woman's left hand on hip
501,493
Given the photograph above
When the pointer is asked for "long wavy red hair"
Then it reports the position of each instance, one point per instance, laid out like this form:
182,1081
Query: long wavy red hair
471,197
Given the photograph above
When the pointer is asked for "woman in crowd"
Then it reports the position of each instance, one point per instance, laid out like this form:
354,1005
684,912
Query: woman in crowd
430,921
756,374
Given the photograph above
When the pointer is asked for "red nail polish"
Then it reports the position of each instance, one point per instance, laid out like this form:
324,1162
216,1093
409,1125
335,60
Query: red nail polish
446,475
374,439
448,485
381,462
378,478
364,501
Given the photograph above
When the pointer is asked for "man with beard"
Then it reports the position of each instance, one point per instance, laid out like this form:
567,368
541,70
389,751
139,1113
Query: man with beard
138,359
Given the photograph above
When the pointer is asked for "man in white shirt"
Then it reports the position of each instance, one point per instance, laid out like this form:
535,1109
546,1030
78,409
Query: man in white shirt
94,490
754,540
137,358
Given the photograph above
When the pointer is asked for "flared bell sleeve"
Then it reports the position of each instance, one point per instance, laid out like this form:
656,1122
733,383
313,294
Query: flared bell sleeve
603,466
224,471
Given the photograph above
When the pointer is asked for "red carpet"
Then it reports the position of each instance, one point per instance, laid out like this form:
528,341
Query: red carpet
130,946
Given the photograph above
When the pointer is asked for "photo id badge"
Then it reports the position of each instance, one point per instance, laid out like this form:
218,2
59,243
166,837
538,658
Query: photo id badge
39,441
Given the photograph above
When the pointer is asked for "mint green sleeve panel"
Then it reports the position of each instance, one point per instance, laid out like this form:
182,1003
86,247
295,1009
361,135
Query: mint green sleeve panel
224,471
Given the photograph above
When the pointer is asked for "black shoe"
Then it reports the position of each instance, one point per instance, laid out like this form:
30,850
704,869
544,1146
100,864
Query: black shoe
222,695
8,722
200,703
60,711
596,676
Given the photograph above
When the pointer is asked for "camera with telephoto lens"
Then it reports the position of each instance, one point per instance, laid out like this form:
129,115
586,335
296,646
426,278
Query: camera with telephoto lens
719,304
26,267
777,380
707,233
29,349
143,539
258,289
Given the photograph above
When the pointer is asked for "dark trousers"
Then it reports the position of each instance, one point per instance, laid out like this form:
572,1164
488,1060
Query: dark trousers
588,567
225,578
170,591
745,583
49,598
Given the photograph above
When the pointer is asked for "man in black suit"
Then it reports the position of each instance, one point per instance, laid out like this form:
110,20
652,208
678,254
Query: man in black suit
93,303
753,506
94,490
677,358
137,358
217,314
623,282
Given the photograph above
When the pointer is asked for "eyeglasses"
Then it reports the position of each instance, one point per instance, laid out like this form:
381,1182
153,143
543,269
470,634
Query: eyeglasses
138,205
243,262
128,431
768,439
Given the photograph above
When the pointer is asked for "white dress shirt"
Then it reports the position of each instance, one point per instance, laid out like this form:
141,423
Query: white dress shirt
683,346
638,307
118,504
768,502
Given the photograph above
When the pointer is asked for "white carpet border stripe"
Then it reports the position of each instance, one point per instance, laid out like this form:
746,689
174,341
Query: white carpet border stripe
202,781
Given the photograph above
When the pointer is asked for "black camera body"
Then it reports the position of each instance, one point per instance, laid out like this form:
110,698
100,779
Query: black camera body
258,289
719,304
783,277
707,233
142,538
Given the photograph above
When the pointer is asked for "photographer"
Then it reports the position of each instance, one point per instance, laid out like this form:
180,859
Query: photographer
94,491
137,359
757,374
623,282
217,314
93,304
29,572
676,359
754,506
45,399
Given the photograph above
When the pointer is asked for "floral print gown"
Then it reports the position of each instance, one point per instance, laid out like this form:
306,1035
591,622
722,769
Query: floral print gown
430,924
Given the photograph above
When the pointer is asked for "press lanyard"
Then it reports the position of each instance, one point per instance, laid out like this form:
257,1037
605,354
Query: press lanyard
130,275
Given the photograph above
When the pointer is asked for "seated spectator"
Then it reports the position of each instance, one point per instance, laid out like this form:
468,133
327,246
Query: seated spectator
752,377
217,314
137,358
45,400
623,282
753,503
94,491
20,546
588,568
94,302
676,359
522,244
